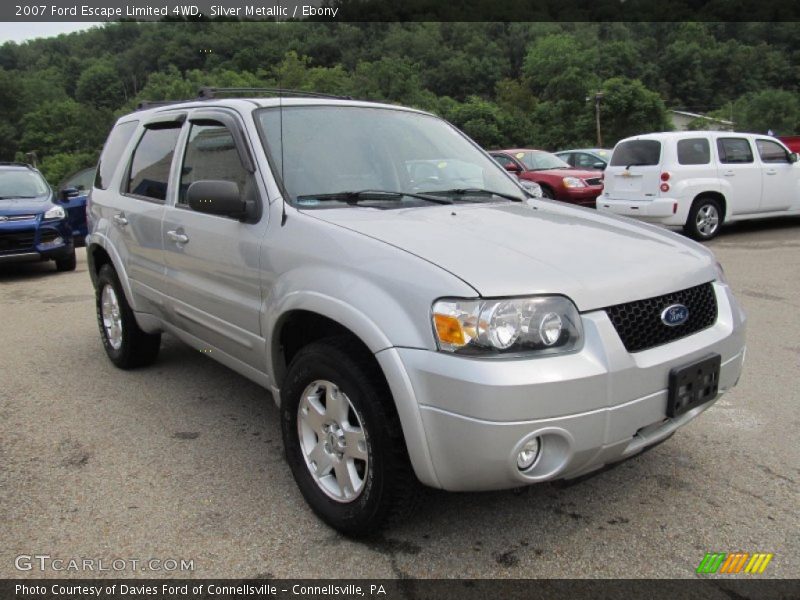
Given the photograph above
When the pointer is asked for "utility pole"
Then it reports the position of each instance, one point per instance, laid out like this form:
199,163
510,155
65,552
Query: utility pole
597,97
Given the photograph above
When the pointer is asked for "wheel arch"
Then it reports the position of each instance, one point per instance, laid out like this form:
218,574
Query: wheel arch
98,253
718,196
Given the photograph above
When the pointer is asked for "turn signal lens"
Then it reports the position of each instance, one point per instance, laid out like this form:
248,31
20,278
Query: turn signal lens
449,330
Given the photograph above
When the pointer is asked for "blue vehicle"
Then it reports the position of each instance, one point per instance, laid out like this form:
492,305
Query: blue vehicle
73,192
33,223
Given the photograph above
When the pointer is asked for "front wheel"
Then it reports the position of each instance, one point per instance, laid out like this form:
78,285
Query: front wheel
126,344
705,219
343,439
68,263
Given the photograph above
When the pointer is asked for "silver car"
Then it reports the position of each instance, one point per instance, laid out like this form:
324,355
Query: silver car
415,316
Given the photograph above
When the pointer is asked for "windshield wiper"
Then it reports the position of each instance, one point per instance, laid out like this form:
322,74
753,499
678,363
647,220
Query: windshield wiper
17,197
355,197
639,164
477,192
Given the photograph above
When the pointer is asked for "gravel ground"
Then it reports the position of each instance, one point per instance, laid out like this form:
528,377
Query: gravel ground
184,460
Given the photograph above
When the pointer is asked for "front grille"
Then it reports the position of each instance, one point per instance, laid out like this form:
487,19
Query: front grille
594,181
20,218
639,323
16,240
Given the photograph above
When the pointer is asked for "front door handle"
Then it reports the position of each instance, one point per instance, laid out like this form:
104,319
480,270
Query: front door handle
771,172
120,219
729,173
178,238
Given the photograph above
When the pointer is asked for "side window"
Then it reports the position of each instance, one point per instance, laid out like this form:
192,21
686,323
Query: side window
694,151
503,160
211,154
568,158
770,152
112,152
734,150
151,162
584,161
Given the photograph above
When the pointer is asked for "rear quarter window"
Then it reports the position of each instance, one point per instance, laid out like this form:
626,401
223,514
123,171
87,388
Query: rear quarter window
640,153
694,151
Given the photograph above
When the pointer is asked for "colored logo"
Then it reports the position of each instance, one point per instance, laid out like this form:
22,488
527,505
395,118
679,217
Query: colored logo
737,562
675,315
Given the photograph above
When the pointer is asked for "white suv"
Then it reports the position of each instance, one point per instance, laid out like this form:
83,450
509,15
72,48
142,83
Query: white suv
700,179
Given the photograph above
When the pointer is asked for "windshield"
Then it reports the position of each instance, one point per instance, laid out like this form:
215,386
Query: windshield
329,150
22,184
541,161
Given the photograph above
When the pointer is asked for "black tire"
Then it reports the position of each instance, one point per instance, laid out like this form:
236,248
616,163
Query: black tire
67,263
697,226
137,348
390,488
547,192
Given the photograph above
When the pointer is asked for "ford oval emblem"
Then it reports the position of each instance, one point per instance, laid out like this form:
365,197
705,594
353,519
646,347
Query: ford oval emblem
674,315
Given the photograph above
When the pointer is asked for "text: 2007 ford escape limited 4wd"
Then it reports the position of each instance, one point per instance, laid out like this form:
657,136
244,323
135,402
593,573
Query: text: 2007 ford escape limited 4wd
415,317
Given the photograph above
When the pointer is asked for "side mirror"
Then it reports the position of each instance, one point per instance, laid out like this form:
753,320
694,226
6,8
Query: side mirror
512,168
67,193
599,165
216,198
793,157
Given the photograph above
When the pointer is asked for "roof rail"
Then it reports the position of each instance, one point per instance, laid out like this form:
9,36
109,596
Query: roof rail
209,93
206,93
145,104
16,164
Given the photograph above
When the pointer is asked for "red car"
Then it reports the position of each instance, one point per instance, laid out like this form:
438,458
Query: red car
557,179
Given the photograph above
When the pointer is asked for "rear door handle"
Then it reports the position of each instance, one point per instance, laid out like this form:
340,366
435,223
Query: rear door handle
120,219
729,173
771,172
178,238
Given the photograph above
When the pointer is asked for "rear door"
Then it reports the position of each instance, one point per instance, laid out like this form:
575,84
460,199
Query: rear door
779,176
634,171
135,213
740,174
213,261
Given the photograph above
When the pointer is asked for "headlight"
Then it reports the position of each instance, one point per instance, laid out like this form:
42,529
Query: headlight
537,325
533,188
54,214
573,182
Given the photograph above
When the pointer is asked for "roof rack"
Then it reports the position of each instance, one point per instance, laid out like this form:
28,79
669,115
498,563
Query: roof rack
210,93
207,93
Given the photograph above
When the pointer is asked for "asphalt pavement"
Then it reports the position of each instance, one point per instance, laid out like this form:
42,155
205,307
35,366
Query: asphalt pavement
183,460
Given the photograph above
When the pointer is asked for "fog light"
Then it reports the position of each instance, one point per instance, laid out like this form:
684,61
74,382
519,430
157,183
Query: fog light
528,455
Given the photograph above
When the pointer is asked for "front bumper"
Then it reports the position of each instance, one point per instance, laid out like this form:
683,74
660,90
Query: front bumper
24,243
581,196
590,408
665,211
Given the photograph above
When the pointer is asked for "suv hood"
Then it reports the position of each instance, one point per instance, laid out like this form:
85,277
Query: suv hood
517,249
24,206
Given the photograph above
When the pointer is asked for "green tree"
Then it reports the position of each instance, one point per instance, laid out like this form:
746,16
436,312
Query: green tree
771,109
628,108
100,86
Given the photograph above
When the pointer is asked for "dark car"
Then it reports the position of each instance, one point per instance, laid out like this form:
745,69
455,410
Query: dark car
33,223
586,158
73,191
557,179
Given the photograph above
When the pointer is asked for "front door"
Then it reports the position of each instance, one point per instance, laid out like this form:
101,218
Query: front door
212,262
779,176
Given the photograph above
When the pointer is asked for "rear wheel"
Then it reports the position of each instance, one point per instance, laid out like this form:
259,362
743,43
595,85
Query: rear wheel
343,439
126,344
705,219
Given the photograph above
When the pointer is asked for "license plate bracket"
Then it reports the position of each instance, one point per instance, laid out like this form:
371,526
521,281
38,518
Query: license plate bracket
693,384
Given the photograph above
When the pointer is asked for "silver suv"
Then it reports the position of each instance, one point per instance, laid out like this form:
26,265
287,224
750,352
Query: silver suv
414,315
